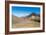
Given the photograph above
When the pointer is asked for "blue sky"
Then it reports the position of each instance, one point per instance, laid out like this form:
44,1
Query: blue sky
24,11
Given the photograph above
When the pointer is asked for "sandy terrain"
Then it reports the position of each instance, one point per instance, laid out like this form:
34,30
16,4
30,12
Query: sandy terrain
24,23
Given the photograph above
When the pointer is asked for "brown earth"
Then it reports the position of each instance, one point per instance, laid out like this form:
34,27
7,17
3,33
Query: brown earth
23,22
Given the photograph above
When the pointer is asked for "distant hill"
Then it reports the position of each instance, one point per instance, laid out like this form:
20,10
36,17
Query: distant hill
16,19
28,16
25,22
